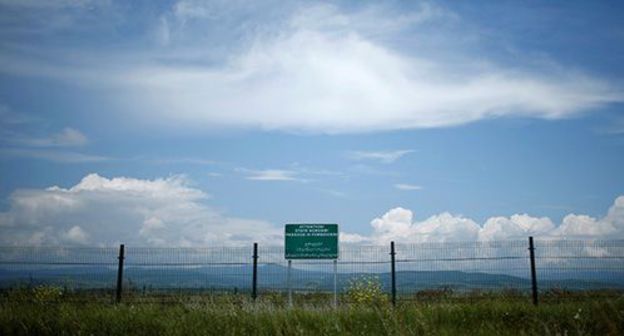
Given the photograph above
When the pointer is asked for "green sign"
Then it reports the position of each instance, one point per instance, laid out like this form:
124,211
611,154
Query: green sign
311,241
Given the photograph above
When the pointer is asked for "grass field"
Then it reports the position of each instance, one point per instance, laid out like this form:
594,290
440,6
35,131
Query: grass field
238,317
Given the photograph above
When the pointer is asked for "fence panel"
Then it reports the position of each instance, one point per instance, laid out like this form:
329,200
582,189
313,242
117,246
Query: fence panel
189,270
75,269
423,271
592,266
431,270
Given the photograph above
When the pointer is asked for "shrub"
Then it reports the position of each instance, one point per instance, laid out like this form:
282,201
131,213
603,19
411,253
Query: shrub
443,292
366,290
39,294
43,294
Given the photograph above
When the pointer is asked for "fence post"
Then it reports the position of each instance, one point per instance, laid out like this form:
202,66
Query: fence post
393,273
289,284
254,279
335,283
120,273
533,272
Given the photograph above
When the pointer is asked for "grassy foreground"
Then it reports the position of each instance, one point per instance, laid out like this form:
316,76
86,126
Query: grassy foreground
604,317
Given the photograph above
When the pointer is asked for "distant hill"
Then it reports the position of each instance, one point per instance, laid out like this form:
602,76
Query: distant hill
273,276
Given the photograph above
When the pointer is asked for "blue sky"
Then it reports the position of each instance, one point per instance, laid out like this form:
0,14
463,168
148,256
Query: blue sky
418,116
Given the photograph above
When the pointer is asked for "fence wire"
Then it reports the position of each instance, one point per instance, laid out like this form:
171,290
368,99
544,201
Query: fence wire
579,265
426,270
438,269
71,267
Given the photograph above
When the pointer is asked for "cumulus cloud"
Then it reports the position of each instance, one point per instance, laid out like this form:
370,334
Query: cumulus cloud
398,225
582,225
171,212
500,228
102,211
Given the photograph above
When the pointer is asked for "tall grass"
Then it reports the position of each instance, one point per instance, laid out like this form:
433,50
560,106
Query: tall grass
491,317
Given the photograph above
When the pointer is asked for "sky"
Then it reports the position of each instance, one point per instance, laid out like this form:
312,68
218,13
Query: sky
197,123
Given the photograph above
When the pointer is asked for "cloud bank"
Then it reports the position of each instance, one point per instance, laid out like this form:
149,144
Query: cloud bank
99,211
398,225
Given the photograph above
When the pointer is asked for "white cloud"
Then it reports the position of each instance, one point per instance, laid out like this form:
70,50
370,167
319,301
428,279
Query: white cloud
388,156
271,175
582,225
398,225
404,186
77,235
516,226
323,69
295,172
104,211
352,238
395,220
321,79
170,212
318,79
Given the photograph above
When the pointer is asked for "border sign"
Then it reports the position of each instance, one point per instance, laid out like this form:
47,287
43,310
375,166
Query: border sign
311,241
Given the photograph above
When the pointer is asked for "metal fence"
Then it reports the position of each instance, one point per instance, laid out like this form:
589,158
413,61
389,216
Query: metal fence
412,272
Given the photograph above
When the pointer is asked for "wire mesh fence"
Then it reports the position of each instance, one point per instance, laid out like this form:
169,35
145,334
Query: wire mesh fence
440,269
75,267
422,271
569,268
149,270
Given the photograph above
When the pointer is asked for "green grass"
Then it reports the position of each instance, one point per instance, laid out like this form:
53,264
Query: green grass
236,317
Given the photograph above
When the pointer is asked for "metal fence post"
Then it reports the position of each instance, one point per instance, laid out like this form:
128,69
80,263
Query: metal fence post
289,284
533,272
254,280
393,273
335,283
120,273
